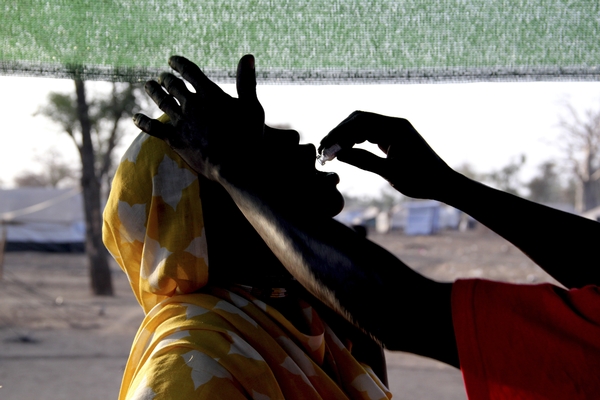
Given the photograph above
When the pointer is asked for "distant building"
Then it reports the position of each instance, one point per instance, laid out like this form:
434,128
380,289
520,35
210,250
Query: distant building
365,216
414,217
42,219
423,217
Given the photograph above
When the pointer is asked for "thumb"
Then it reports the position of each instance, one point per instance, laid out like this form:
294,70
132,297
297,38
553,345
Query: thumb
363,159
246,79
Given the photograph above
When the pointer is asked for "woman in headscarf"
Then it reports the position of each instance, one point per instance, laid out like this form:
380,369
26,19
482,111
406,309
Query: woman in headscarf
273,182
515,341
242,328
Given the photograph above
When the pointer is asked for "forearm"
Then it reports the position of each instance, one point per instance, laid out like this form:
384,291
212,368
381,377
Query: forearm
563,244
355,277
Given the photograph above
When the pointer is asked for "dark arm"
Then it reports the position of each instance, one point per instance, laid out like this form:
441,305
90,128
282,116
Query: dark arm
360,280
563,244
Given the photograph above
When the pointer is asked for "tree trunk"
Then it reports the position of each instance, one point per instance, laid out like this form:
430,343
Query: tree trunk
589,195
579,196
101,280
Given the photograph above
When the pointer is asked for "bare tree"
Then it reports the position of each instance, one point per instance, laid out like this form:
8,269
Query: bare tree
31,179
55,172
580,142
548,187
94,125
507,177
469,171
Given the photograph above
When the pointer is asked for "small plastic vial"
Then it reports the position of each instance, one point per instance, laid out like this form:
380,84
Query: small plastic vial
328,154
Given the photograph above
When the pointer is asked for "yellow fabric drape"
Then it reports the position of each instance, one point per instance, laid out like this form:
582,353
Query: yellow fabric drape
153,224
202,342
225,345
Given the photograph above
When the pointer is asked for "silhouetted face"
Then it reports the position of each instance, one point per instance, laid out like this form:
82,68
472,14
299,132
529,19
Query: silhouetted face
236,252
294,174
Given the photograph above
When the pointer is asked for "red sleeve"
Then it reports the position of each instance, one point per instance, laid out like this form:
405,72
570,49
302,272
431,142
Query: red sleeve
527,341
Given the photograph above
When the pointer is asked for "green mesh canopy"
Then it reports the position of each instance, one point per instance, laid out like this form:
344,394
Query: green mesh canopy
307,41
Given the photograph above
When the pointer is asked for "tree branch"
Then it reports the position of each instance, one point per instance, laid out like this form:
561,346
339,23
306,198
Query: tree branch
78,145
595,176
110,145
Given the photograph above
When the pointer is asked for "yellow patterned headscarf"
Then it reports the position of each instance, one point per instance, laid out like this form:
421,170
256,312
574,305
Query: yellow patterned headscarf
214,343
153,223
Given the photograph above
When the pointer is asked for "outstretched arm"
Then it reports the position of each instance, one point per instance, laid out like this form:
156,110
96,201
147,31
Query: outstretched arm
563,244
353,276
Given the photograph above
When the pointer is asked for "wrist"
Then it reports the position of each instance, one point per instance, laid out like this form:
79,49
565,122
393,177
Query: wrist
456,189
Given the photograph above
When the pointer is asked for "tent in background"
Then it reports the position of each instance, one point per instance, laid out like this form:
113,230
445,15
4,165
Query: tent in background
42,219
423,217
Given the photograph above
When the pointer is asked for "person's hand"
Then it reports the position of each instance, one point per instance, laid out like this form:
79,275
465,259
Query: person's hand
411,166
209,129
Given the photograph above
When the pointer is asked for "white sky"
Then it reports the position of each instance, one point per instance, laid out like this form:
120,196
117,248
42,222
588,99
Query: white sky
483,124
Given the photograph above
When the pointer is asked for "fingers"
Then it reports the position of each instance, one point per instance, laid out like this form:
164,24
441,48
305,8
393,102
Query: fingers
246,79
153,127
246,88
344,131
353,130
175,87
364,159
192,73
358,127
163,100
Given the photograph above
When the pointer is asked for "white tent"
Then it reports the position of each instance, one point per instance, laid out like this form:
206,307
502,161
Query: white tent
42,219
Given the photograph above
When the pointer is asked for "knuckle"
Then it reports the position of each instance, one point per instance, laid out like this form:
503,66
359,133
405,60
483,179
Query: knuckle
163,101
151,87
165,79
405,123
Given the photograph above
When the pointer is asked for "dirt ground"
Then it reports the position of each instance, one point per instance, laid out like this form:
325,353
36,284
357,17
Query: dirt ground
59,342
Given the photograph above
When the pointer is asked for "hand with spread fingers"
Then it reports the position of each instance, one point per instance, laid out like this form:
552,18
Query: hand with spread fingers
410,165
209,129
225,139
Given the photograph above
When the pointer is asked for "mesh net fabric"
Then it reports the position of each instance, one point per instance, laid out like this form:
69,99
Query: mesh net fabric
305,41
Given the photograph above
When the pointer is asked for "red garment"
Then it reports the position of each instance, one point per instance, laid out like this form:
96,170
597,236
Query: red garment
527,341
